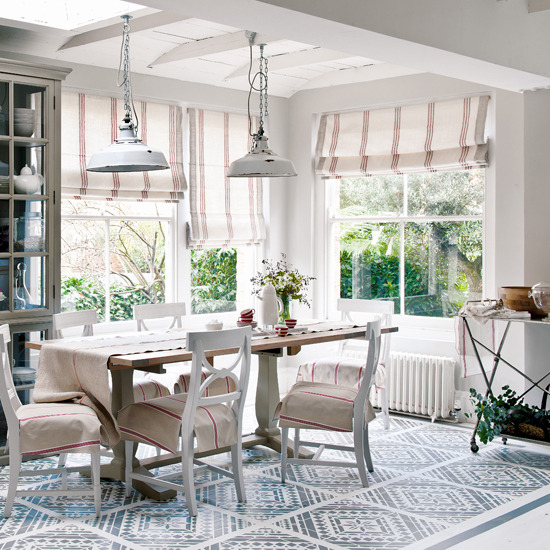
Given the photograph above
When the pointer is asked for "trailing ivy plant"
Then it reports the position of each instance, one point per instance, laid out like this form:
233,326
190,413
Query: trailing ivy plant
501,413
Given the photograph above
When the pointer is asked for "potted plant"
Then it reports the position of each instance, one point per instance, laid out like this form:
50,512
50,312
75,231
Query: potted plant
507,414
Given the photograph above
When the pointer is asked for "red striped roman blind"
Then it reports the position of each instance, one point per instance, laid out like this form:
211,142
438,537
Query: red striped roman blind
436,136
224,212
90,123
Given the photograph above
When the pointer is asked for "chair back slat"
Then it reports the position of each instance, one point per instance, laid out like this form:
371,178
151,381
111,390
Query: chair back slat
85,318
373,355
8,394
175,311
199,343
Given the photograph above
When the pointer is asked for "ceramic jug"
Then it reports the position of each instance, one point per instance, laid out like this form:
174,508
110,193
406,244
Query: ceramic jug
27,182
269,311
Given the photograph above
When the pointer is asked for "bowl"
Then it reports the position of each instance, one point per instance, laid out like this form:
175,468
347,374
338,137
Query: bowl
517,298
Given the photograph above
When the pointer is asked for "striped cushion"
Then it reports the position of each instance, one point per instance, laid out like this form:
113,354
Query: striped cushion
218,387
320,406
58,427
158,422
147,388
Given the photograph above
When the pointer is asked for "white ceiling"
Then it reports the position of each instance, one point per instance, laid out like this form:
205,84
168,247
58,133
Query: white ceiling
191,49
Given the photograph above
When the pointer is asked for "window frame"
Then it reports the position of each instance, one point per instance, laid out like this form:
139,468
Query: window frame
332,275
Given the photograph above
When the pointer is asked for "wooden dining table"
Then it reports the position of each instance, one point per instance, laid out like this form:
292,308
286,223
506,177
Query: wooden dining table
269,348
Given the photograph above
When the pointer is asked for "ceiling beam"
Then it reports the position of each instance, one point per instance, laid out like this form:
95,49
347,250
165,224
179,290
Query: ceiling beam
295,59
112,31
538,5
207,46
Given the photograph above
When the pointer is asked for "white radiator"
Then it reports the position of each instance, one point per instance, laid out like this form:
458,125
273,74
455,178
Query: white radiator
419,384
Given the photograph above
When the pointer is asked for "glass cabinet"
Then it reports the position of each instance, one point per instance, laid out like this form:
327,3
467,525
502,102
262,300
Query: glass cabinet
30,175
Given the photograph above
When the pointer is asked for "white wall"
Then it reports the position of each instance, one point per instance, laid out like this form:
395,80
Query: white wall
504,216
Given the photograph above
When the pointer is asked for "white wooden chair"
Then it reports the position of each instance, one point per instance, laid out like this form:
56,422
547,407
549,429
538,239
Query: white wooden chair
351,310
45,428
215,421
337,402
174,311
144,388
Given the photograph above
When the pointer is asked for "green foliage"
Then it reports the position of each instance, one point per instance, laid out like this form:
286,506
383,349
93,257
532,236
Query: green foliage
497,413
89,293
213,280
287,281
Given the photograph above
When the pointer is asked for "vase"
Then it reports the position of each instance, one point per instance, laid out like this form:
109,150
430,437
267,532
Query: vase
284,312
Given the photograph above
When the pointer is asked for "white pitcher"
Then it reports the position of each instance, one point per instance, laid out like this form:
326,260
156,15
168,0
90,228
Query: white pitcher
27,183
269,310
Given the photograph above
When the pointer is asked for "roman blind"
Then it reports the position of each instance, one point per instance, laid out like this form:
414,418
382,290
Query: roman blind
224,212
435,136
90,123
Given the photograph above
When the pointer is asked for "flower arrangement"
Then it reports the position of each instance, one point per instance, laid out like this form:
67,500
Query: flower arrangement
289,283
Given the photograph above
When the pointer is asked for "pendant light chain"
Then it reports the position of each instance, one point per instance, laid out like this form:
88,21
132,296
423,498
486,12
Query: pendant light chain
125,66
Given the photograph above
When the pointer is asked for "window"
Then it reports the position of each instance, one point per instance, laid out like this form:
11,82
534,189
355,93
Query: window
115,255
416,239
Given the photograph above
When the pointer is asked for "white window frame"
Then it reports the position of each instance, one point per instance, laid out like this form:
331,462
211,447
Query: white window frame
331,275
171,247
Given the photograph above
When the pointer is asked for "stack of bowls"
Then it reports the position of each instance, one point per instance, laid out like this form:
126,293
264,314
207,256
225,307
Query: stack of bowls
23,122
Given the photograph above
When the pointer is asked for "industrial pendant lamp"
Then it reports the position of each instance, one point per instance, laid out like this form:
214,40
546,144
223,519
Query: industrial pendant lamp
127,153
261,162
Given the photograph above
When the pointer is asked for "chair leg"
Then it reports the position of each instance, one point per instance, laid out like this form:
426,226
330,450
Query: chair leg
385,407
95,459
62,461
237,462
187,454
15,466
284,453
366,448
359,454
296,448
129,450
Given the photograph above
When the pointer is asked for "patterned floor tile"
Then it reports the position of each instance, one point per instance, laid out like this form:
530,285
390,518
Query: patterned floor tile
438,436
167,525
266,498
66,536
432,499
407,458
522,457
351,525
25,520
484,474
266,539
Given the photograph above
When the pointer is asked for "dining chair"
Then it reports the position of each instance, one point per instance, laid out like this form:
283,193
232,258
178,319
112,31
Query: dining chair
334,398
354,309
214,421
46,428
144,388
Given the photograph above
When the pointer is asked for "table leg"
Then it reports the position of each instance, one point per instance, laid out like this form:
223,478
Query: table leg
122,395
267,399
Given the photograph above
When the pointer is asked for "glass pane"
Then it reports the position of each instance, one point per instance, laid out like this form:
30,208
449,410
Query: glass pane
83,266
29,170
443,267
446,193
28,111
138,269
369,261
29,220
375,196
121,208
4,169
4,284
5,226
30,282
213,280
4,108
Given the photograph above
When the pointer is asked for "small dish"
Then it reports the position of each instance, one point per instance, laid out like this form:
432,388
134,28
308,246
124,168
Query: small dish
252,324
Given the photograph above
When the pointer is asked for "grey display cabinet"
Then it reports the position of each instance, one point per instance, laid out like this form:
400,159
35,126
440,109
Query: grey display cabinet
30,174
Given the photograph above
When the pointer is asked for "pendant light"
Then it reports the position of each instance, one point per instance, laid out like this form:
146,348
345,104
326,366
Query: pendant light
127,153
261,162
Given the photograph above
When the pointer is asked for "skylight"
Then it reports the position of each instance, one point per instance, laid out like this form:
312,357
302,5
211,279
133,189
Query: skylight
65,14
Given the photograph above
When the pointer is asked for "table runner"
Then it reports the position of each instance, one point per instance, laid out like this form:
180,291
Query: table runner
77,370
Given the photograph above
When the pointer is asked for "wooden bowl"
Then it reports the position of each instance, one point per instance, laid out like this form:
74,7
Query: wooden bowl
517,299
